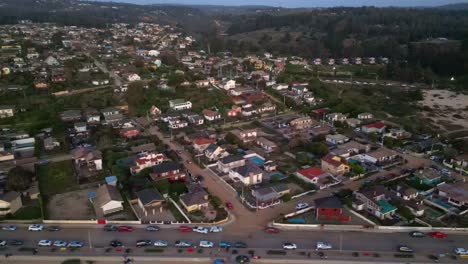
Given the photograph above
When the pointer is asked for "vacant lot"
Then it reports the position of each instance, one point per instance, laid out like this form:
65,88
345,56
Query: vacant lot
57,178
59,205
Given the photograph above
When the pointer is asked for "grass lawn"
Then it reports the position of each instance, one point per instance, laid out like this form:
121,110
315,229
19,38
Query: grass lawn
27,212
57,178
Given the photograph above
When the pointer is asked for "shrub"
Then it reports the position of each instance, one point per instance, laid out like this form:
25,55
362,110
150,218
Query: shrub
376,255
180,250
276,252
72,261
404,256
355,254
251,252
234,251
200,251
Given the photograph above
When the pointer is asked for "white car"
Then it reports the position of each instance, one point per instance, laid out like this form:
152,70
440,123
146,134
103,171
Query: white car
75,244
160,243
3,243
206,244
36,228
60,243
44,243
323,245
301,206
289,246
460,251
9,228
200,229
216,229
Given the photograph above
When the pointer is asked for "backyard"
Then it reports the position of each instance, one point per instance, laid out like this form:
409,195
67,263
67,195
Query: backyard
56,178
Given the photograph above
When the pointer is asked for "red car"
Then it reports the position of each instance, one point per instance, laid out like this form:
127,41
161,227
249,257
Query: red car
125,229
437,235
229,206
272,230
185,229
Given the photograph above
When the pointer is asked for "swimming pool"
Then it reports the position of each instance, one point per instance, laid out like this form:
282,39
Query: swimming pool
257,160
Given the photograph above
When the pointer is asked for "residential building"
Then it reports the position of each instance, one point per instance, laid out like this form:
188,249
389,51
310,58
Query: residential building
149,199
200,144
170,170
350,148
333,117
180,104
336,139
195,119
92,116
214,152
270,194
397,133
429,176
227,85
10,203
177,123
365,116
80,127
353,122
334,165
245,136
380,156
133,77
211,115
267,145
111,115
230,162
147,160
202,83
374,201
195,200
6,156
129,132
317,176
249,174
280,86
330,208
302,123
378,127
89,158
6,111
108,199
51,143
456,194
70,115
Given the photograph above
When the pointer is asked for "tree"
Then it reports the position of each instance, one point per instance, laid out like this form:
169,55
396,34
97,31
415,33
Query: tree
143,173
317,148
135,96
19,179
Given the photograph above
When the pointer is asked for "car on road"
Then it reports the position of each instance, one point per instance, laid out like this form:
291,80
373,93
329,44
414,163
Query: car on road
224,244
289,246
437,234
242,259
44,243
152,228
460,251
417,234
60,243
3,243
301,206
143,243
185,229
206,244
110,228
9,228
16,242
35,228
405,249
200,229
75,244
240,245
125,229
53,228
216,229
182,243
323,245
229,206
160,243
115,243
272,230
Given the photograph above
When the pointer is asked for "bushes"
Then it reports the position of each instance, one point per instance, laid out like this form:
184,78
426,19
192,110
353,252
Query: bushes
154,250
276,252
403,256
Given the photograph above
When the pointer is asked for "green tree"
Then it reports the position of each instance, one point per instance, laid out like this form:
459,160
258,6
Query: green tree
135,96
317,148
19,179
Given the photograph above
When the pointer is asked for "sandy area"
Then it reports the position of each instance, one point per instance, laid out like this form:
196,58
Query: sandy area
446,110
60,206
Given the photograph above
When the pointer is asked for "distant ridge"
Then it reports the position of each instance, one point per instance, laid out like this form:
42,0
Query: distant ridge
459,6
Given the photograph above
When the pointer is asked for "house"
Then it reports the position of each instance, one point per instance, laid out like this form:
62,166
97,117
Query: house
195,119
380,156
429,176
245,136
248,174
6,111
86,157
200,144
50,143
353,122
108,199
133,77
195,200
365,116
280,86
155,112
40,84
336,139
70,115
302,123
169,170
10,203
149,199
230,162
334,165
111,115
330,208
214,152
80,127
336,117
456,194
129,132
266,144
397,133
211,115
375,202
51,61
405,192
234,111
377,127
299,89
228,85
180,104
177,123
269,166
317,176
270,194
92,116
202,83
6,156
147,160
350,148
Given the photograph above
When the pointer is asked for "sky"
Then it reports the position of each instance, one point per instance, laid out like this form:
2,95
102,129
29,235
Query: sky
301,3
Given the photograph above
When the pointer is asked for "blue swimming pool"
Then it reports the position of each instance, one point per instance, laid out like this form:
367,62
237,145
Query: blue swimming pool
439,202
257,160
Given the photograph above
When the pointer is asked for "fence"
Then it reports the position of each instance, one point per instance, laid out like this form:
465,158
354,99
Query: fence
180,210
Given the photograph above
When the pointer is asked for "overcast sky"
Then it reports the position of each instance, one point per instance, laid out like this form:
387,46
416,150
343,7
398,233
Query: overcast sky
302,3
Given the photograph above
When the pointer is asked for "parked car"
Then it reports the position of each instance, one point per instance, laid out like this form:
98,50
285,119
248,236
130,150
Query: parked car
110,228
405,249
240,245
160,243
44,243
3,243
289,246
152,228
437,235
125,229
460,251
272,230
75,244
53,228
206,244
417,234
182,243
60,243
323,245
216,229
115,243
200,229
301,206
224,244
241,259
36,228
229,206
185,229
16,242
9,228
143,243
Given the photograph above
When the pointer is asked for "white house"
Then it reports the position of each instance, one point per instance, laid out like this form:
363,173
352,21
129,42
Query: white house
248,174
153,53
133,77
108,199
227,85
177,123
180,104
6,111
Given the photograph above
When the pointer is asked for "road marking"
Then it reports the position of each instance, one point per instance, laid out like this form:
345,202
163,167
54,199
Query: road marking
89,240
